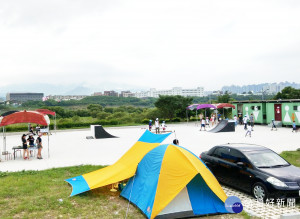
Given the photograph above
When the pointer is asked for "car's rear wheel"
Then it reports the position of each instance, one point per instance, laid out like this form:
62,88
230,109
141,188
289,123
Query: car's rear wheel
259,191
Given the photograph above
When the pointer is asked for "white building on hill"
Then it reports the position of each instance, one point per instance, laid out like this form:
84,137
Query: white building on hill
198,92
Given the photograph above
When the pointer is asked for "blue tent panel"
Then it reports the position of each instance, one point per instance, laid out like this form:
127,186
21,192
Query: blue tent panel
150,137
79,185
145,181
203,200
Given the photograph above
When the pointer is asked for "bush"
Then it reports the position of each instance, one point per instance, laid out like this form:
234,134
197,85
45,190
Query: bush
176,119
75,118
102,115
145,121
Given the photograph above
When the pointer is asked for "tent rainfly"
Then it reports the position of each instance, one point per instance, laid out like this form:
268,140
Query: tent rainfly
23,117
172,182
124,168
48,112
164,180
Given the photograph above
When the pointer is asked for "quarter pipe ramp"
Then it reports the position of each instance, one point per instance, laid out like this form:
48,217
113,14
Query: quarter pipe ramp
224,126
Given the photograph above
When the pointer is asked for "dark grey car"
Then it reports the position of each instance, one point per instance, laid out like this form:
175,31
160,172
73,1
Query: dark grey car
254,169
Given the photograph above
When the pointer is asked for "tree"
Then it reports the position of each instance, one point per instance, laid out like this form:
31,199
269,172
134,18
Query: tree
224,98
170,106
94,109
288,93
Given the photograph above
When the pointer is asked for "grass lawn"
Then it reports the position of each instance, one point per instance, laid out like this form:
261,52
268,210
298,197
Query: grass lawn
45,194
292,156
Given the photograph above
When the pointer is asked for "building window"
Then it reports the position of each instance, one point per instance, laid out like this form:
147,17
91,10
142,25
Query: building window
295,108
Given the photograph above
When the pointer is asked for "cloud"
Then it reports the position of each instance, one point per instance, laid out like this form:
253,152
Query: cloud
158,44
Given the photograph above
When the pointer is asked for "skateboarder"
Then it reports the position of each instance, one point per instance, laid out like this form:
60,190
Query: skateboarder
251,121
249,130
294,127
273,125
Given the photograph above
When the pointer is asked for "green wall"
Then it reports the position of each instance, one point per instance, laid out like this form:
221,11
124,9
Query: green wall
270,112
256,109
290,112
234,111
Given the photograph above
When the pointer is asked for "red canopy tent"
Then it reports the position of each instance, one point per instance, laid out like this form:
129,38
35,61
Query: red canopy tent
48,112
225,106
23,117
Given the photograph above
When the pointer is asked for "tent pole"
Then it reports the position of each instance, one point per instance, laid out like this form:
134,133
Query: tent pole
48,142
223,113
187,120
55,123
196,117
4,144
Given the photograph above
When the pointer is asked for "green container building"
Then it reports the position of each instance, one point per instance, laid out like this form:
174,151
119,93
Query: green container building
285,111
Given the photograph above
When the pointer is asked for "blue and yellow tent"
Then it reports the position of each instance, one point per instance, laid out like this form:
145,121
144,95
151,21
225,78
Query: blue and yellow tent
171,181
123,169
164,180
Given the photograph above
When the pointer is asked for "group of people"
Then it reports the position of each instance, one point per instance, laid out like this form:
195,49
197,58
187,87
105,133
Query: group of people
206,122
157,126
29,145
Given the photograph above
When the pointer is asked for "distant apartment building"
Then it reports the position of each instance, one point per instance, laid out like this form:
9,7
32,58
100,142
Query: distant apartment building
126,93
23,97
111,93
272,88
66,97
198,92
97,94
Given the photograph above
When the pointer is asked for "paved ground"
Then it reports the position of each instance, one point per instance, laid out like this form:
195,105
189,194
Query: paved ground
263,210
69,148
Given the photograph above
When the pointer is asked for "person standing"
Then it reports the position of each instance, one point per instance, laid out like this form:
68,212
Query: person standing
207,122
294,127
245,120
163,126
25,147
37,129
251,121
31,143
235,120
240,118
39,146
150,125
212,119
202,124
219,117
157,126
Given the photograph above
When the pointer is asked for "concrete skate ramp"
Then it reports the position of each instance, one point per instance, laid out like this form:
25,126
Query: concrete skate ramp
99,132
224,126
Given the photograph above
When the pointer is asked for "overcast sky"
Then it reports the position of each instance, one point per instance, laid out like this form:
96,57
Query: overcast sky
157,43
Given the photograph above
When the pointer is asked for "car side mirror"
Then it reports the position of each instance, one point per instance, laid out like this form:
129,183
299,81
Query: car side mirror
240,164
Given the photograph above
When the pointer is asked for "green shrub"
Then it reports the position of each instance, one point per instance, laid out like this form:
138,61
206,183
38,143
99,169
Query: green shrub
145,121
176,119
